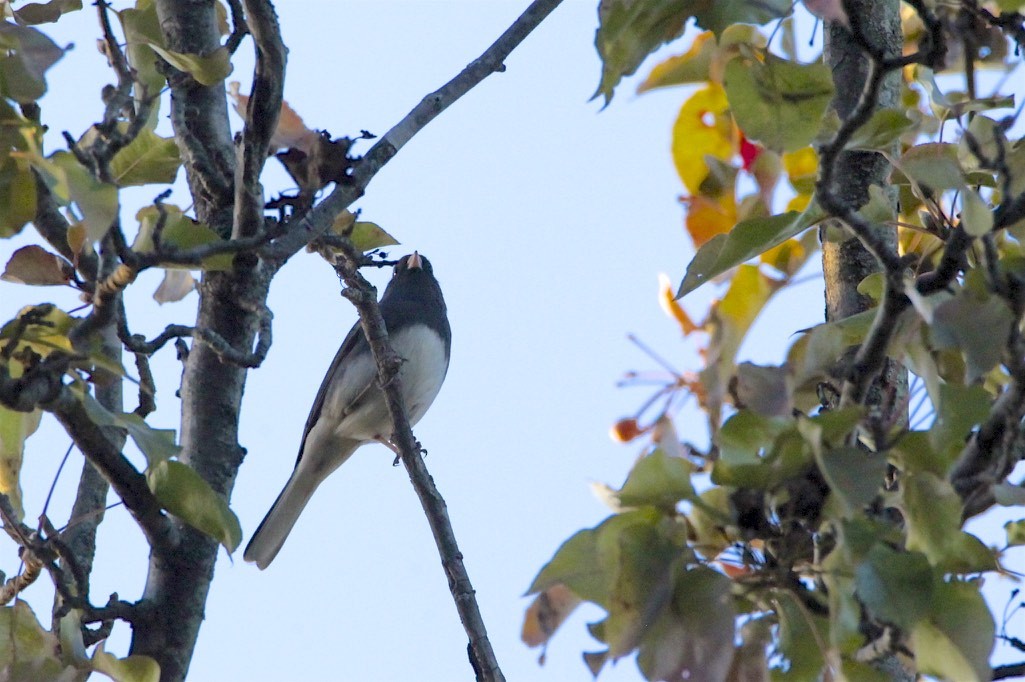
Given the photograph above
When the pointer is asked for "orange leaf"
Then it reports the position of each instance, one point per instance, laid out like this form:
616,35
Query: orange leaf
707,216
672,307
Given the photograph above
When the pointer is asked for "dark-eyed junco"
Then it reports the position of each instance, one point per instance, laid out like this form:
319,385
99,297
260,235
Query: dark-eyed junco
350,409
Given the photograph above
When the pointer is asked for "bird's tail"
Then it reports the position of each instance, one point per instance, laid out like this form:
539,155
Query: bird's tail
275,527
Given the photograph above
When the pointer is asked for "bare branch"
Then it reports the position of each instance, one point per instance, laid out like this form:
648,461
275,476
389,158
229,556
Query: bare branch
199,114
137,343
262,111
317,221
239,30
363,295
129,484
53,227
989,456
1009,671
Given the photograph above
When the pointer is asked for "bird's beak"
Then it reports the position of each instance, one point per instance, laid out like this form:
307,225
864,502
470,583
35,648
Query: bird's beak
414,261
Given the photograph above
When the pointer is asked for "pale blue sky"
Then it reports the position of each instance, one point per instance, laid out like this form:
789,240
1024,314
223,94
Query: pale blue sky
547,223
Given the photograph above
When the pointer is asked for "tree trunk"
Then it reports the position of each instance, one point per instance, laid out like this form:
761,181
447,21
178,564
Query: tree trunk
229,305
845,261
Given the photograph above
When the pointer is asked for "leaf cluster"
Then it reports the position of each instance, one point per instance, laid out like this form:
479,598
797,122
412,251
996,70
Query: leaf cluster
820,533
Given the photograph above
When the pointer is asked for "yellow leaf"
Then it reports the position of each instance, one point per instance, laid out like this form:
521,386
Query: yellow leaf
786,257
799,203
690,67
15,427
804,161
703,127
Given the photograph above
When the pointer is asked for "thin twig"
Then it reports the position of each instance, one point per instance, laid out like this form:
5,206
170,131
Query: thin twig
317,221
262,112
363,295
239,30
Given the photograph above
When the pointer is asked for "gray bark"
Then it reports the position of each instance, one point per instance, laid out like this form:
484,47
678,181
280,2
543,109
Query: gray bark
845,262
177,585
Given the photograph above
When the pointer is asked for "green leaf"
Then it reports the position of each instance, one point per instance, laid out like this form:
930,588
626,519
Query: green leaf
368,236
643,561
630,30
987,137
131,669
207,69
1015,532
955,641
747,436
961,408
693,639
932,512
757,451
45,12
746,240
975,323
766,390
855,671
15,428
148,159
855,476
575,565
184,493
27,650
658,480
17,196
1009,495
70,181
142,28
802,636
897,587
27,54
976,216
881,132
932,166
584,566
776,102
719,16
817,351
156,444
879,208
179,232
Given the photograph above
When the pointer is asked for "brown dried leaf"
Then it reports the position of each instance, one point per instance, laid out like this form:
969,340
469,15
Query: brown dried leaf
291,132
36,266
547,613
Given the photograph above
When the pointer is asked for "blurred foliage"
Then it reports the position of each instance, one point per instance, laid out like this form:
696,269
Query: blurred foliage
812,539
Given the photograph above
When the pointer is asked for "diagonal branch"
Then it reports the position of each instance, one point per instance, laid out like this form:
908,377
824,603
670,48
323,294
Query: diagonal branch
316,222
129,484
363,295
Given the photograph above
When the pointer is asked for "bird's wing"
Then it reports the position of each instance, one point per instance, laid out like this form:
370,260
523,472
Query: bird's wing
355,381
